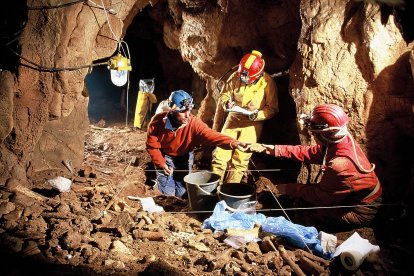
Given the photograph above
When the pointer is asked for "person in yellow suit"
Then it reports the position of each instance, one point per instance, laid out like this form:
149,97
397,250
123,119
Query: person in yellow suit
255,91
146,98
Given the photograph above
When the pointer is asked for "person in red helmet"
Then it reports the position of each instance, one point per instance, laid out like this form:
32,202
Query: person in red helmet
348,178
254,90
171,138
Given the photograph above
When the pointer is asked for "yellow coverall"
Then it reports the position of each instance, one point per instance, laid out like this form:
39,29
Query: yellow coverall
262,96
143,107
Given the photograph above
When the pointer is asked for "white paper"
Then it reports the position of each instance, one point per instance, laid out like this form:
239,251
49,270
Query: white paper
238,241
356,243
328,242
240,110
148,204
61,184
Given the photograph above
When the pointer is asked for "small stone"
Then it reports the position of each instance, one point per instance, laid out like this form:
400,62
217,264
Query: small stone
150,258
6,207
254,248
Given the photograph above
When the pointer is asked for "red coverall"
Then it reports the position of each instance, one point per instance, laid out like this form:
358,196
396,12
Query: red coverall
342,183
161,140
173,147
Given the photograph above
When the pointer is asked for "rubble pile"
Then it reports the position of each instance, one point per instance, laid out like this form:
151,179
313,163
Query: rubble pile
100,224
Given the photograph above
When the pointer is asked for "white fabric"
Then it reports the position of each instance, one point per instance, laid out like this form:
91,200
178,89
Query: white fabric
162,107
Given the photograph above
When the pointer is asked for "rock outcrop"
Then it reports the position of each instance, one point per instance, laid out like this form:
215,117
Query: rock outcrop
345,52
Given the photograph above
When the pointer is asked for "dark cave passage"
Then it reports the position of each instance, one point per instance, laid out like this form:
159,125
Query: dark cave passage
150,58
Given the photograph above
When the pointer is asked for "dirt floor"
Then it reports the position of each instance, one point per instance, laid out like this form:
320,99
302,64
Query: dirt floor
99,228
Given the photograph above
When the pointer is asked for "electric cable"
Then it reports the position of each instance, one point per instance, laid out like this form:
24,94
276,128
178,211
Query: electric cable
42,68
107,20
56,6
225,74
86,2
94,5
279,74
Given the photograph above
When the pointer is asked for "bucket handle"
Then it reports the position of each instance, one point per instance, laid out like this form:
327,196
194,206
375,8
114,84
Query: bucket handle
204,191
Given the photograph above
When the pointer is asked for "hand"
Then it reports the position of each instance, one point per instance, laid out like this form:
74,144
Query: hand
167,170
229,104
269,149
256,147
279,190
240,145
250,106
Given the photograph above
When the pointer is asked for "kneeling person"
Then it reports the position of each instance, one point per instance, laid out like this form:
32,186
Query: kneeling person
172,137
348,178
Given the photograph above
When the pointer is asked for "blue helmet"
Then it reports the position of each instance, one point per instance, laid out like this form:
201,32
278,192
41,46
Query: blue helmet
180,101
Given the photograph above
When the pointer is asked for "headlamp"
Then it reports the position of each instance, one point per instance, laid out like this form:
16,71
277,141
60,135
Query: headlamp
244,77
313,126
305,119
186,105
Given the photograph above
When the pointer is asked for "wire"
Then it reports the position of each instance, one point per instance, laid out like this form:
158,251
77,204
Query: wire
94,5
107,20
225,74
42,68
357,159
291,209
279,74
55,6
283,210
264,170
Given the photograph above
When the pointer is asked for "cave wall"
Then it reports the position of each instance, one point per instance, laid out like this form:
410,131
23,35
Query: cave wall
345,52
349,54
47,119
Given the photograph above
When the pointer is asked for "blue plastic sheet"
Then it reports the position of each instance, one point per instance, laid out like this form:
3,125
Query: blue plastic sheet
296,234
222,219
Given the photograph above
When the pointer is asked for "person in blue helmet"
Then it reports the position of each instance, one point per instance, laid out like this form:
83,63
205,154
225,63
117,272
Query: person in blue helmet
172,137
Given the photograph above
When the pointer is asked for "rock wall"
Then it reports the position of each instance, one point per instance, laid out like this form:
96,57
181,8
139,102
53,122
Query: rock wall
45,101
346,52
349,55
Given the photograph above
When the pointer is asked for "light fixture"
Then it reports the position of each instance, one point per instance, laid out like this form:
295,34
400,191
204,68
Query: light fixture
119,67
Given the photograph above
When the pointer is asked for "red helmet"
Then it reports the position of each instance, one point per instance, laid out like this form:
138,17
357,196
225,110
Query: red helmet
326,116
251,67
328,123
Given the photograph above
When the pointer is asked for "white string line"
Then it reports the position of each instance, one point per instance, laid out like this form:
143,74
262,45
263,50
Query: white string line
283,210
290,208
264,170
